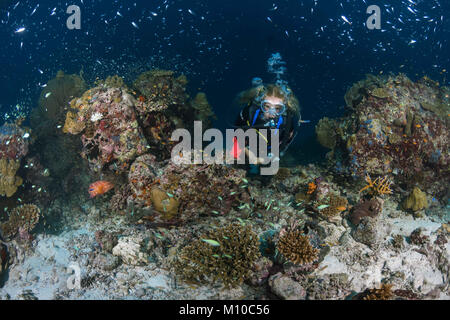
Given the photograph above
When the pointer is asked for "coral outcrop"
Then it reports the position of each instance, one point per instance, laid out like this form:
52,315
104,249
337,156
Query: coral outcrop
398,128
111,134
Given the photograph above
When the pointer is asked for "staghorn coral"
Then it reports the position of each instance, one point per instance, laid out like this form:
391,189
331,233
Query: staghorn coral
379,186
22,220
417,200
296,247
384,293
9,182
230,261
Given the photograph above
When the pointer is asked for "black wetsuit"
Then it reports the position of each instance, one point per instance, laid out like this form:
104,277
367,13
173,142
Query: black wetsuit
252,117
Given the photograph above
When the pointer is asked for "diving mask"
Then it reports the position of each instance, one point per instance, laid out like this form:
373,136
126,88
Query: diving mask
273,109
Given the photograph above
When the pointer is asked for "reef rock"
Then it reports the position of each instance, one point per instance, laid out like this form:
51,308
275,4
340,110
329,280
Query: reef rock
129,249
286,288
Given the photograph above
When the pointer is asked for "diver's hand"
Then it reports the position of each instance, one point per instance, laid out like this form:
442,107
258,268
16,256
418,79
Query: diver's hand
252,158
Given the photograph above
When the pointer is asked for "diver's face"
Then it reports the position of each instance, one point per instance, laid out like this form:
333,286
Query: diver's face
274,104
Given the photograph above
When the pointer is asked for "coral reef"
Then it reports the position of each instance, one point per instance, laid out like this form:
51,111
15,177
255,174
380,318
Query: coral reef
22,221
190,190
111,134
53,103
13,147
390,132
225,254
417,200
296,247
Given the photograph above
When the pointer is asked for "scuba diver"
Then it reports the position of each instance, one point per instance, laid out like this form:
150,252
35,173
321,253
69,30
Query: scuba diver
271,106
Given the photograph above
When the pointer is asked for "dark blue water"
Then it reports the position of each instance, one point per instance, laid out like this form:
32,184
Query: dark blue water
222,45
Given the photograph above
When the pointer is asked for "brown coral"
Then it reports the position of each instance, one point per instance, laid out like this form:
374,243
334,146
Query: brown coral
366,208
384,293
164,203
226,254
296,247
23,218
335,205
9,182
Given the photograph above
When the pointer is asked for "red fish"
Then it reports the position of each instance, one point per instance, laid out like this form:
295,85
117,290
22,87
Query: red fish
99,188
235,151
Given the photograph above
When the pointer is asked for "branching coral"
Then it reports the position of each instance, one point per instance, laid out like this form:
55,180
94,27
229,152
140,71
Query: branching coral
332,205
384,293
22,220
226,254
296,247
379,186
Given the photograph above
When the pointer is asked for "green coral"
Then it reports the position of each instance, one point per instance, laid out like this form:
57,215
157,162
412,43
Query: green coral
326,133
58,92
225,254
202,108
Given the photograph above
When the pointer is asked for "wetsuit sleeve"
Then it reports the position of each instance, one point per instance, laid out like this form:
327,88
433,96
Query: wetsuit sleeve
243,117
288,132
